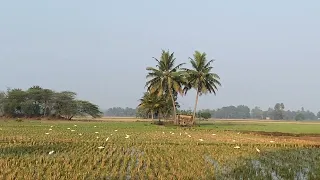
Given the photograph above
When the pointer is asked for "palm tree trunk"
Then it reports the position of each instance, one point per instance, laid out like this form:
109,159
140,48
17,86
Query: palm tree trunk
195,107
174,107
152,115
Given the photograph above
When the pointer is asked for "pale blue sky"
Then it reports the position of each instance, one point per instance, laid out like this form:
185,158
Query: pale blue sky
265,51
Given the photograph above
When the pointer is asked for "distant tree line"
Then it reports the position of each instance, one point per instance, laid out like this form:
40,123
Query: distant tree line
120,112
37,102
278,112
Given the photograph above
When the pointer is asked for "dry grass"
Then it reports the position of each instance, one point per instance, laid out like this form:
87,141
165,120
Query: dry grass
150,152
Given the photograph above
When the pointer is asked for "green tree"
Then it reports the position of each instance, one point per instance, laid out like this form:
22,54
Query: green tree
47,97
201,77
279,111
243,112
37,102
309,115
299,117
32,106
65,105
318,114
87,108
167,108
205,115
141,113
268,113
232,112
14,102
290,115
257,113
228,112
166,78
154,104
121,112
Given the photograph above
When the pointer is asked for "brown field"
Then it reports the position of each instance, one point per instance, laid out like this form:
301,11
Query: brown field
121,148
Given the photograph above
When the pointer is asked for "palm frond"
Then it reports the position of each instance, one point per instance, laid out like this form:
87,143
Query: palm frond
208,63
156,60
176,86
177,67
194,64
200,76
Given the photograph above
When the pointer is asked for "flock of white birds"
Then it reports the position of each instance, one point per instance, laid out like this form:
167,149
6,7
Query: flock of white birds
128,136
72,130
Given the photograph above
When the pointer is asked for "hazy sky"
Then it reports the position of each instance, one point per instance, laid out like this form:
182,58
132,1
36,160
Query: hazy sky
265,51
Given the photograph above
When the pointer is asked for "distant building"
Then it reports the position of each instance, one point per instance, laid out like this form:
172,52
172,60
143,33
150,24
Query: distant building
267,118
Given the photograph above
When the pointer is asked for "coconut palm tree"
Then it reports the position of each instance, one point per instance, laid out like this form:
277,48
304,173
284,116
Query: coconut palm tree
154,104
166,78
151,103
201,77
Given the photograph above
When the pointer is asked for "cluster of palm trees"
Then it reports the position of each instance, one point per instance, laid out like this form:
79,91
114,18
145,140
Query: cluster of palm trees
167,79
